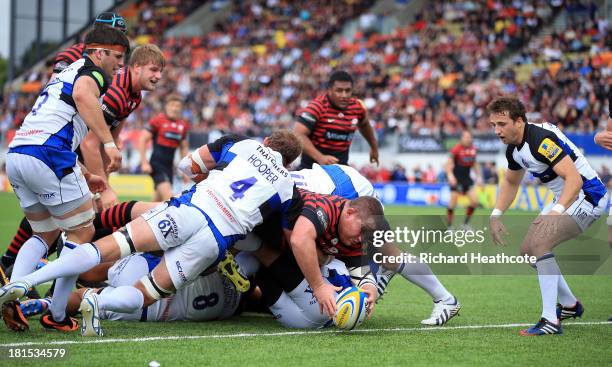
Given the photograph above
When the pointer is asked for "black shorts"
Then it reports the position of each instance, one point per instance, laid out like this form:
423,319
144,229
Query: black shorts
161,173
464,184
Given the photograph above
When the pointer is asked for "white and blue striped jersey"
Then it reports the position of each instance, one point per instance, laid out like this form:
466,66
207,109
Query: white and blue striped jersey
543,146
334,179
54,121
248,184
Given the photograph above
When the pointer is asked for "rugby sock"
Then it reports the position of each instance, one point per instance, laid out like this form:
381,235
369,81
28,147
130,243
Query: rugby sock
421,275
124,299
468,214
116,216
24,232
70,263
548,276
566,297
247,263
30,254
61,293
449,216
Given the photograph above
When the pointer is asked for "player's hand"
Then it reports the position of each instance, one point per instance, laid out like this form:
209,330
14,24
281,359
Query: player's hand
96,183
372,293
108,198
114,155
604,139
452,181
479,182
327,159
374,156
497,229
145,167
326,296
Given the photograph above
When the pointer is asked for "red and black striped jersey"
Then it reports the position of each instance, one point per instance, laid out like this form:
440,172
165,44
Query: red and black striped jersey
120,99
464,158
324,213
332,128
68,56
167,136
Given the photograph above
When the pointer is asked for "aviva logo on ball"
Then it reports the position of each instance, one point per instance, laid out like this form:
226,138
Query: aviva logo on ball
351,308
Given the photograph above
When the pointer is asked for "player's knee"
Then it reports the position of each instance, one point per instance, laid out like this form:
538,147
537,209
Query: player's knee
151,290
75,222
123,238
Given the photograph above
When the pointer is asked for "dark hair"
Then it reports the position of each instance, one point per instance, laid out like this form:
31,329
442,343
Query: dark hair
107,36
287,144
510,105
339,76
173,97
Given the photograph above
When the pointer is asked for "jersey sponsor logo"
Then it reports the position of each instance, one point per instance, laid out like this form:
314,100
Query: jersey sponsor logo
322,217
99,77
331,135
549,149
28,132
173,136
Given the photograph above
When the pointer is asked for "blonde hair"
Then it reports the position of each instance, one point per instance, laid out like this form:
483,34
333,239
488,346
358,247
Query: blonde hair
145,54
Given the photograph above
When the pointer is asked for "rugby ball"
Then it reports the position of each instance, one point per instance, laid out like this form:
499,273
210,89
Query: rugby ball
351,308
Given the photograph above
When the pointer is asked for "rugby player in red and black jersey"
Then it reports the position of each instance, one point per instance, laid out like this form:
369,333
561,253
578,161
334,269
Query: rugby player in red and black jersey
122,98
327,125
460,162
168,132
333,226
75,52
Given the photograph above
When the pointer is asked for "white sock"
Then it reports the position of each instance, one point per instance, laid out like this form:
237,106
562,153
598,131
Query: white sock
548,275
247,263
28,257
70,263
421,275
124,299
61,293
566,297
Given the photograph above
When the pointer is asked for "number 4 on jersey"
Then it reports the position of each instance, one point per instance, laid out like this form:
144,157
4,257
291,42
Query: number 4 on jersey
241,186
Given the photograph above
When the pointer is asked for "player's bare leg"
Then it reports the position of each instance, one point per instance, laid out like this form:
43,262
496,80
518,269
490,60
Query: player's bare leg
473,197
452,204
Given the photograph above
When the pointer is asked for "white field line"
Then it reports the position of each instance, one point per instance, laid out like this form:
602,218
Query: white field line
284,333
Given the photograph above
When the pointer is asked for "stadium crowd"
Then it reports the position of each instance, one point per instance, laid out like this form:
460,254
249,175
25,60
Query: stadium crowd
431,77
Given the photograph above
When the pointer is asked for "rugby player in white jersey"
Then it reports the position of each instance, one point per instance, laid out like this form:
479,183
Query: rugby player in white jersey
246,181
579,200
52,188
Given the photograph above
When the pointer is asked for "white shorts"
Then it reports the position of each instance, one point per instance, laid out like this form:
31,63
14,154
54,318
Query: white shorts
188,239
583,212
38,187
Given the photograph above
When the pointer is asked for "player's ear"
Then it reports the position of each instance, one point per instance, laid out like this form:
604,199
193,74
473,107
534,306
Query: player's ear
266,141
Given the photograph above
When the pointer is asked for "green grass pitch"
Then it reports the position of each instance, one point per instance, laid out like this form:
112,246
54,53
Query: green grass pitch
485,333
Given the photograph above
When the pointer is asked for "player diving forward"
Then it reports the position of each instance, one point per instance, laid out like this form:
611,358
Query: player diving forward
246,183
579,200
346,182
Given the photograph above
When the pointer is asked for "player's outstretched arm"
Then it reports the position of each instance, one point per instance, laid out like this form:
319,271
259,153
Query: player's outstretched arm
304,249
450,165
145,138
